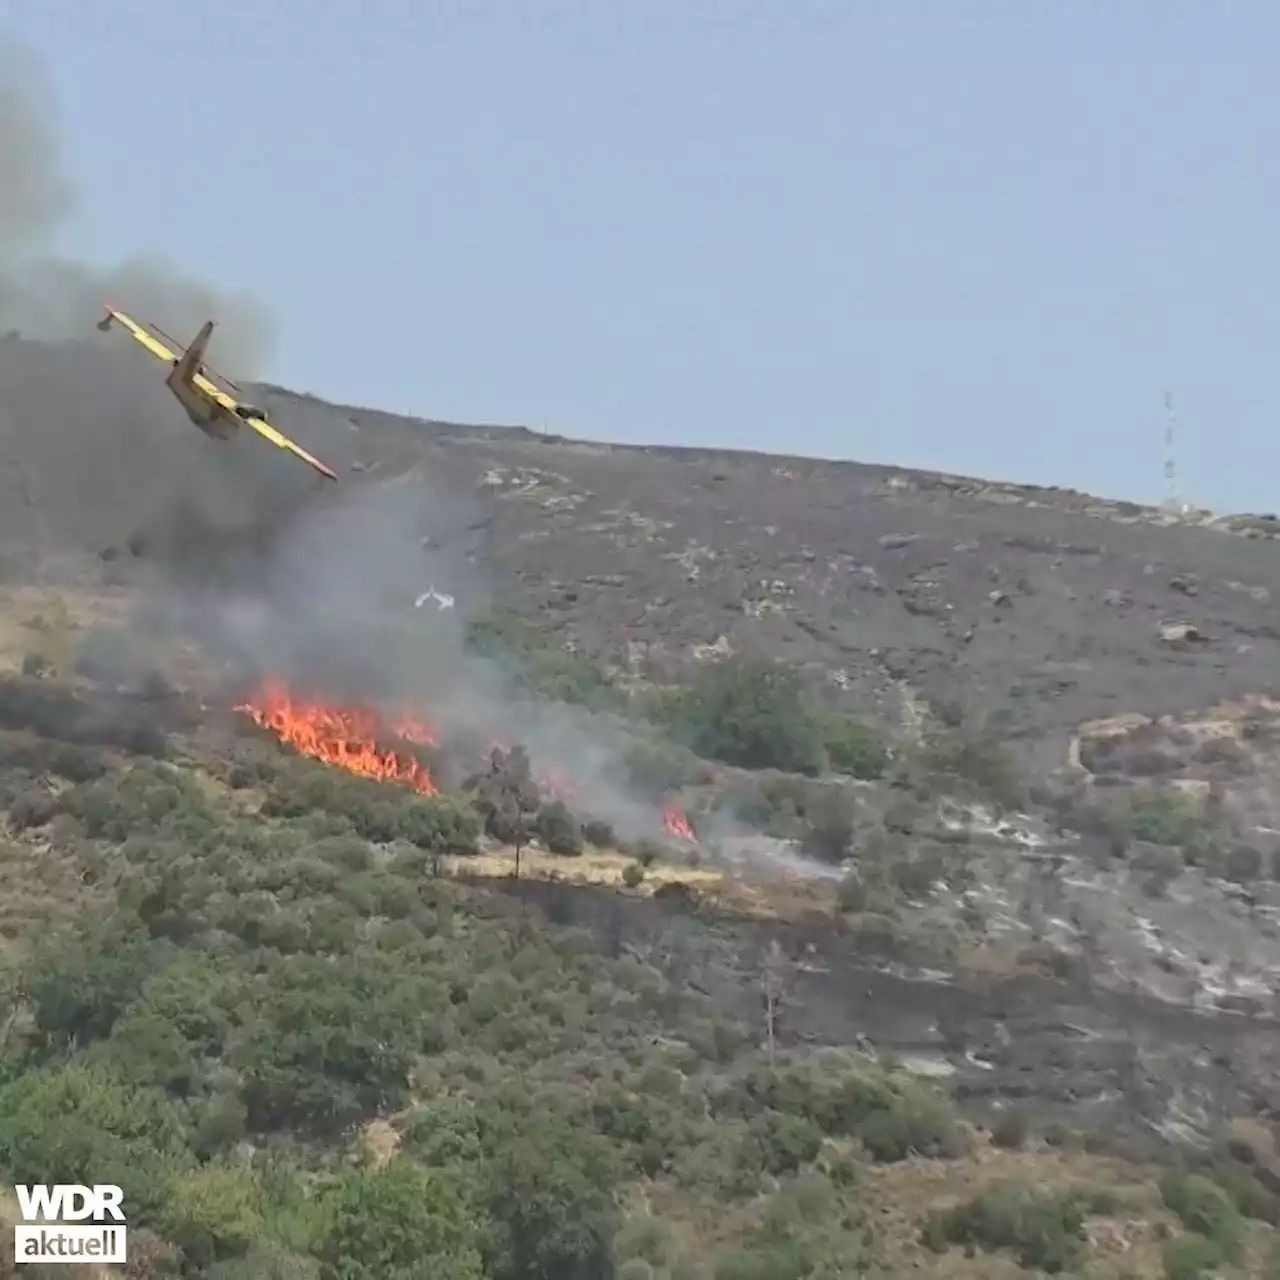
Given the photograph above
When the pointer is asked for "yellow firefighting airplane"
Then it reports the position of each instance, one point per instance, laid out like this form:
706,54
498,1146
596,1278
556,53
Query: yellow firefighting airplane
211,408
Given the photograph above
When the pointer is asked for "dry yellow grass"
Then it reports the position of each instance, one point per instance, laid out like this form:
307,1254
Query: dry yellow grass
603,867
606,868
49,619
379,1141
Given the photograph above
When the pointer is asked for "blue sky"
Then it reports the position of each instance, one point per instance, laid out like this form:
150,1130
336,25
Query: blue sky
979,237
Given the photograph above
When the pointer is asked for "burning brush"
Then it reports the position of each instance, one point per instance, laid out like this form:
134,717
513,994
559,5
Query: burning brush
675,822
347,737
361,741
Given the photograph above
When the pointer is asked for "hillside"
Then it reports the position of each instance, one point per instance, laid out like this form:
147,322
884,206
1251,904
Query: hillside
1043,602
898,890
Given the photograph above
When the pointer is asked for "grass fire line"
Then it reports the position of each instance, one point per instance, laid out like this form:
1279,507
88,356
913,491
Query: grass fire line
344,737
353,738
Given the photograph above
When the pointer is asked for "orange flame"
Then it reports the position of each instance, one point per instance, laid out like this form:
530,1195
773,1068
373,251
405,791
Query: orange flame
675,822
345,737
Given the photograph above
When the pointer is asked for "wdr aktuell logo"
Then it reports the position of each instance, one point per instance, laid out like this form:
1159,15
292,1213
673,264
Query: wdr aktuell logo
46,1237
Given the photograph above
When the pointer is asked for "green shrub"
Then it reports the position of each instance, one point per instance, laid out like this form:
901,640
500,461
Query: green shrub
1204,1208
549,1190
439,824
211,1214
377,811
444,1133
656,766
1191,1257
853,746
786,1141
829,826
977,757
913,1125
1043,1231
892,1119
769,1252
1162,818
398,1223
1011,1129
558,829
57,1123
752,714
599,833
538,663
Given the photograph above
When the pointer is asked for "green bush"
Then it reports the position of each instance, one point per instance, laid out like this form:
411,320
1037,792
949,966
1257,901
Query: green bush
550,1196
1191,1257
558,829
1043,1230
752,714
445,1133
786,1141
1204,1208
142,797
912,1125
400,1222
1247,1192
377,811
211,1214
79,990
1011,1129
66,1124
1162,818
343,1039
439,824
599,833
977,757
538,663
656,766
769,1252
829,823
892,1119
853,746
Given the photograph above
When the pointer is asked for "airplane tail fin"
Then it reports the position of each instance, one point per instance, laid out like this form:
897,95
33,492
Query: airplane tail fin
190,362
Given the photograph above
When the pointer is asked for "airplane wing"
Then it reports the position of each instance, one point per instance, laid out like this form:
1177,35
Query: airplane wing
265,429
142,336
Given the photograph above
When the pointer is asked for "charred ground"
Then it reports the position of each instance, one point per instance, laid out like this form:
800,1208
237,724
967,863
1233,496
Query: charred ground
1045,603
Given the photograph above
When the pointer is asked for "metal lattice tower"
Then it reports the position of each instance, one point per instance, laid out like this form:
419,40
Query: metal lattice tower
1172,492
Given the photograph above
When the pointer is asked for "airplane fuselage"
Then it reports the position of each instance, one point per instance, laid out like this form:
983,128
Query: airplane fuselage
207,414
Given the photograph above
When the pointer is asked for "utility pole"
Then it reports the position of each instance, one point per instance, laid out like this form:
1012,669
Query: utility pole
772,989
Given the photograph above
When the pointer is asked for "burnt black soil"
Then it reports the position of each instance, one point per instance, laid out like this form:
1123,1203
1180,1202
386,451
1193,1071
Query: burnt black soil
1083,1057
1042,603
